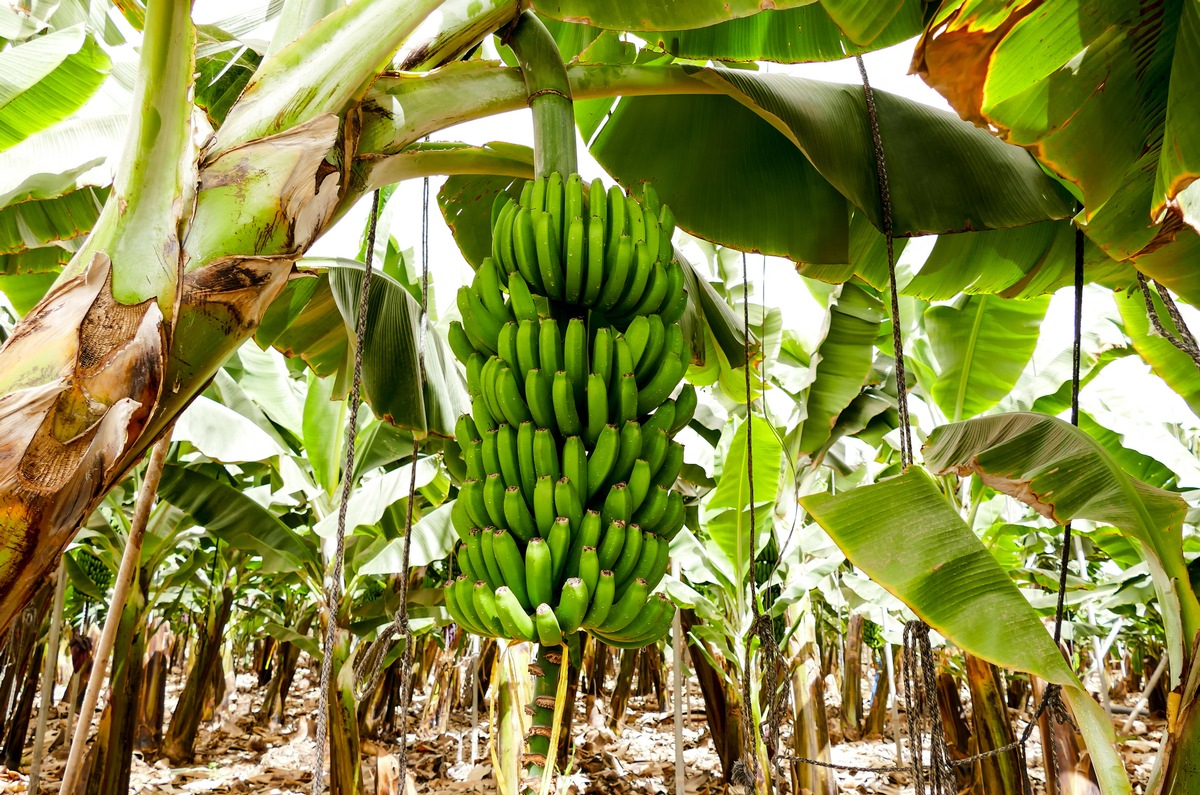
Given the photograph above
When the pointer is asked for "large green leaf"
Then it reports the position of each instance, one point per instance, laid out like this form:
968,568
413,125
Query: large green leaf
867,260
653,14
312,321
727,511
795,145
47,79
1022,262
1086,86
224,67
1063,474
1168,362
42,222
369,501
433,539
843,362
905,535
223,434
981,344
228,514
324,430
795,35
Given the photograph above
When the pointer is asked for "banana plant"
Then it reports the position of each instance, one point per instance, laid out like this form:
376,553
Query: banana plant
190,240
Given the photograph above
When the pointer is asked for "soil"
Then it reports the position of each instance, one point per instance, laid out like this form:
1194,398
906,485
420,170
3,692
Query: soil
638,756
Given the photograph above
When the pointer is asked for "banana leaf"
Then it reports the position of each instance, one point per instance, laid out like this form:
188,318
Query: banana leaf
1063,474
843,363
433,540
228,514
727,510
1168,362
47,79
324,431
981,344
312,318
814,32
653,14
905,536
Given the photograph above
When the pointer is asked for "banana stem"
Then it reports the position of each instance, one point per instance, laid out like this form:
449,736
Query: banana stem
549,96
546,671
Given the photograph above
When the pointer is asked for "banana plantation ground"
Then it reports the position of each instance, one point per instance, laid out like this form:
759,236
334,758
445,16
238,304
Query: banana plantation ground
635,753
479,366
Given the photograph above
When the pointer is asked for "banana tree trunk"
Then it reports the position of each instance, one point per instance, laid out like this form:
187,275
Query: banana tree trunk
1062,750
111,753
180,742
852,679
20,666
1000,774
345,772
188,253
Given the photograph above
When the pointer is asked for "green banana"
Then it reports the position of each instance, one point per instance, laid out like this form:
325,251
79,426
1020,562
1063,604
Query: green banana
539,394
473,454
634,290
502,209
575,465
484,419
539,571
458,597
588,536
627,607
647,558
671,523
666,221
575,356
475,363
525,462
630,551
637,220
545,454
655,291
626,399
548,630
672,464
648,626
676,302
506,451
485,607
655,445
455,611
490,391
572,605
619,270
565,412
471,492
660,387
589,567
493,499
527,347
616,505
459,518
556,203
543,505
653,508
462,556
559,542
567,503
516,622
631,449
487,556
622,357
661,420
651,359
550,346
511,565
460,343
685,409
597,408
537,197
636,335
517,514
603,459
512,405
525,246
662,560
602,354
486,285
506,344
594,277
618,216
602,600
520,298
639,483
653,230
573,203
574,256
549,254
477,321
612,543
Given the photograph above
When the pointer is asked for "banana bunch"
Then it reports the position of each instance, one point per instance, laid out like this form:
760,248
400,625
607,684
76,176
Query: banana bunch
572,345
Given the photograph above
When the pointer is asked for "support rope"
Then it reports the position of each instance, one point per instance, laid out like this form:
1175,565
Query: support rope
333,585
1185,341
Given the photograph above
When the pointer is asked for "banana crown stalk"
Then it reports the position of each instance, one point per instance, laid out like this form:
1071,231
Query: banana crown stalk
570,336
